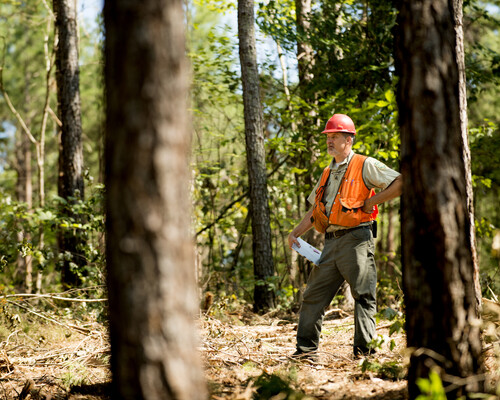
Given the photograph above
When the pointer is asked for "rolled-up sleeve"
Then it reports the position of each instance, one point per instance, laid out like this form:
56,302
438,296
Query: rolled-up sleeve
378,175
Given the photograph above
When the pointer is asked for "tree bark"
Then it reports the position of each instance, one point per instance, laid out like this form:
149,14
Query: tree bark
264,296
70,182
391,246
458,14
24,186
308,124
150,253
305,53
438,267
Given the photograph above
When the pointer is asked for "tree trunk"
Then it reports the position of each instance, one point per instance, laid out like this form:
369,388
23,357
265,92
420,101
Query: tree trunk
308,123
150,253
391,246
70,183
438,266
264,296
24,187
305,53
458,14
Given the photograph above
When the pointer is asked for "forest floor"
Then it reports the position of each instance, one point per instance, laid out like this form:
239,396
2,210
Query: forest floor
245,355
253,353
249,356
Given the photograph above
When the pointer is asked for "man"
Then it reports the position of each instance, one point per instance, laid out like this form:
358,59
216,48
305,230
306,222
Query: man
344,209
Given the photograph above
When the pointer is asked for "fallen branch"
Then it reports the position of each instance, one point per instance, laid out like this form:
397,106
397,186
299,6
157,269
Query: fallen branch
71,326
388,325
339,312
49,296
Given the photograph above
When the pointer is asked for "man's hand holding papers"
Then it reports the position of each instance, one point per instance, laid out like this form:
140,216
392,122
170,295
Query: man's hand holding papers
308,251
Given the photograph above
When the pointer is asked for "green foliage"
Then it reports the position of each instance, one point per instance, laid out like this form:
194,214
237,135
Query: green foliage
482,57
386,370
483,78
92,94
277,19
431,388
353,40
484,140
87,221
76,375
271,385
396,317
390,369
219,156
218,6
29,232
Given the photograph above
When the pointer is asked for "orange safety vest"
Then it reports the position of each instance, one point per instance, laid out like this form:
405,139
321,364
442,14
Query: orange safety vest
349,199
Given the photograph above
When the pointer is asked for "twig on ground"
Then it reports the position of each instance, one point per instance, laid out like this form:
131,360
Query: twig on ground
6,375
339,311
70,326
53,297
6,343
385,326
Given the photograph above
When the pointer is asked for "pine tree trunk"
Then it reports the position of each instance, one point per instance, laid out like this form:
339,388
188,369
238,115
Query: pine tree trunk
308,123
305,53
457,7
70,183
150,253
264,296
391,248
438,266
24,194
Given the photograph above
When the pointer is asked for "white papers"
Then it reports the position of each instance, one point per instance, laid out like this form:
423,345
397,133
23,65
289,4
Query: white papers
308,251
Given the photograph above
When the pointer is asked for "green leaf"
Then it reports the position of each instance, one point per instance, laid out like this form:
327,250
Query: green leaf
382,103
46,216
390,96
298,171
395,327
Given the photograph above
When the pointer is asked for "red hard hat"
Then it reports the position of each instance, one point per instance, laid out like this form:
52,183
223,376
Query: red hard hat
340,123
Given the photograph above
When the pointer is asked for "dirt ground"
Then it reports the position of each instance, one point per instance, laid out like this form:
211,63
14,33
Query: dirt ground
40,360
244,355
251,354
236,355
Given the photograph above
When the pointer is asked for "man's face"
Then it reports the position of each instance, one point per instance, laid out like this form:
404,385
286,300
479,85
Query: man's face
336,143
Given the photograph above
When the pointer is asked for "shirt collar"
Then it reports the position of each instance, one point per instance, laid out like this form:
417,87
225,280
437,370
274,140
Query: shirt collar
334,165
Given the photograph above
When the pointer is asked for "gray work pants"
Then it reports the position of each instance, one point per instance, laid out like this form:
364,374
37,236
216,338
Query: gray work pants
351,258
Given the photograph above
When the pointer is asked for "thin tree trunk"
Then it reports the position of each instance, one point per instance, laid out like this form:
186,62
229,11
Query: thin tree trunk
24,194
24,188
308,124
305,54
438,265
151,281
264,296
50,55
391,238
70,183
457,7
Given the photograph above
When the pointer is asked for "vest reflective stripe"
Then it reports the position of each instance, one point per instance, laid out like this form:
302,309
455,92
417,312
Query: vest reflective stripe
346,209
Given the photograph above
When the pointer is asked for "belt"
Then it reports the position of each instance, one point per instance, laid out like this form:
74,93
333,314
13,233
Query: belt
342,232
